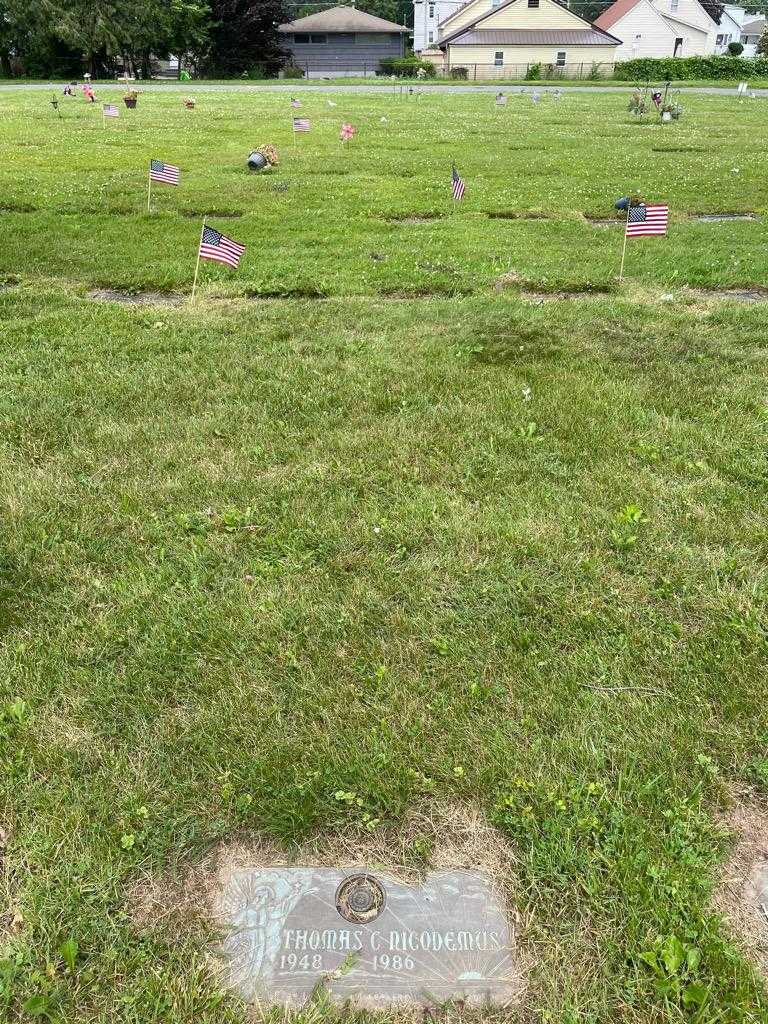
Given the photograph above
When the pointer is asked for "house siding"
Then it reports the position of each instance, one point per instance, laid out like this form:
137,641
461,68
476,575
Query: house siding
696,41
692,14
480,59
349,57
657,38
464,16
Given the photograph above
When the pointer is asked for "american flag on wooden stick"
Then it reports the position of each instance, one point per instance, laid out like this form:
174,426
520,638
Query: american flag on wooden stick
459,188
301,124
165,173
647,220
110,110
215,246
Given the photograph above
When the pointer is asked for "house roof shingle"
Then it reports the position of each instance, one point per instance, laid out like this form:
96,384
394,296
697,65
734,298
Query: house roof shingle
535,37
458,36
616,11
341,19
753,28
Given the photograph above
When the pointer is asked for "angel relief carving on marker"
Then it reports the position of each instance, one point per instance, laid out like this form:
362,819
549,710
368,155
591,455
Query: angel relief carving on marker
258,906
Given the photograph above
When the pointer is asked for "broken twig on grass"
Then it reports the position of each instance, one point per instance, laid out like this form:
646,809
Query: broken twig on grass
625,689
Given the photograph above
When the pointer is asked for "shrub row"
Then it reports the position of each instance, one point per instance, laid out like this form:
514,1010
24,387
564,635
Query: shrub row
406,67
658,69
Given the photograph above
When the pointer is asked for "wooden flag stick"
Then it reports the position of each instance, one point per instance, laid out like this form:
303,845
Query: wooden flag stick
197,265
149,191
624,248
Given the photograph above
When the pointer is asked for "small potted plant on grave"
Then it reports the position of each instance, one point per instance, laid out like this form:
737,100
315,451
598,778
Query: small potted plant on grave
637,104
130,99
189,102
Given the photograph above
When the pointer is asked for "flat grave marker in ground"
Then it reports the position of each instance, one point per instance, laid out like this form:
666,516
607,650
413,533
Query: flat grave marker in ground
366,937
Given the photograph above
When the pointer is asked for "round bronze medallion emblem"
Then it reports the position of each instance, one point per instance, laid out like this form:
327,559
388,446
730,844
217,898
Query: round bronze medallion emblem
360,899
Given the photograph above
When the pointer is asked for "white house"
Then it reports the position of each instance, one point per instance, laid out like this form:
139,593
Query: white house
427,15
503,38
750,35
642,29
669,28
729,29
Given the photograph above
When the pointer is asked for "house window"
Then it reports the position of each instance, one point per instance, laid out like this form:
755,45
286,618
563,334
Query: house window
431,37
533,3
560,59
300,37
719,40
431,10
368,38
678,46
344,38
673,5
498,59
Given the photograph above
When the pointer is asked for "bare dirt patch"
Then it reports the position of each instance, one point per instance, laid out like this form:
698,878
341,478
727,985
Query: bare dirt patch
516,215
742,890
219,214
414,218
7,207
604,222
434,838
136,298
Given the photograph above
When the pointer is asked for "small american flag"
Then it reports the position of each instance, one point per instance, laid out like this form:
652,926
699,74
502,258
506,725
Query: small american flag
215,246
501,100
459,188
166,173
110,110
647,220
295,103
301,124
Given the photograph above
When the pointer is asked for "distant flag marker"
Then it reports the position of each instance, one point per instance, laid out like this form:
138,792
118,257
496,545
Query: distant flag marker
109,110
643,219
459,188
295,103
161,172
301,124
217,247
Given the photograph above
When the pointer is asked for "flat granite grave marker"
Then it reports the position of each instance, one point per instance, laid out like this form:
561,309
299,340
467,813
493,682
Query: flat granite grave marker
366,936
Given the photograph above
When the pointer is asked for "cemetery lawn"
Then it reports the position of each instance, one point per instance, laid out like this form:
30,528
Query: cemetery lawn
416,506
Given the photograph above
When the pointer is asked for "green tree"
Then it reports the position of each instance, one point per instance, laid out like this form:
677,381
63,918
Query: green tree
244,37
762,43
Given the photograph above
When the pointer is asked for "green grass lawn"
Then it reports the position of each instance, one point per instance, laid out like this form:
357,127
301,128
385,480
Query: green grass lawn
397,532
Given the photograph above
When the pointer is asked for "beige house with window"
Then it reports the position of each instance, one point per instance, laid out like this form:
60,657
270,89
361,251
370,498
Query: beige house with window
495,38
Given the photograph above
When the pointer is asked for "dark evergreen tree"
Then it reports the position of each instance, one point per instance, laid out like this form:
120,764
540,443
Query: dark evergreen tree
244,38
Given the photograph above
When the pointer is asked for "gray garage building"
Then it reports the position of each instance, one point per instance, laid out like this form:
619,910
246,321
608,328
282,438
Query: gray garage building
342,41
